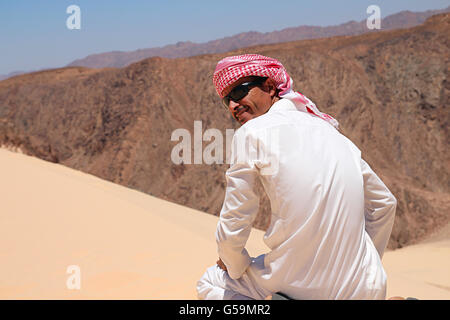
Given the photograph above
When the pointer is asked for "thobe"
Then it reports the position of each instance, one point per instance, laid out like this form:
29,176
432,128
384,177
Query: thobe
331,214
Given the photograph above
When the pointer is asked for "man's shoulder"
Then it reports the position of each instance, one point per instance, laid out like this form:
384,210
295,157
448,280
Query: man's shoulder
270,121
265,122
283,115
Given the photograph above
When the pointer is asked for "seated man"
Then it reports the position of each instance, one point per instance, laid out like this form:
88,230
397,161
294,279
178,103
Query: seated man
331,214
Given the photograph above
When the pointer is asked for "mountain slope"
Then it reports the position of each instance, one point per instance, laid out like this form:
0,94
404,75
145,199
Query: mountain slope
389,91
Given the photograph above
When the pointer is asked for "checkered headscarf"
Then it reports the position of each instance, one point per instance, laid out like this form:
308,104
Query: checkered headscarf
231,69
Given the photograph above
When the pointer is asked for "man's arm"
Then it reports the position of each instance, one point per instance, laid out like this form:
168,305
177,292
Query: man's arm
379,208
239,209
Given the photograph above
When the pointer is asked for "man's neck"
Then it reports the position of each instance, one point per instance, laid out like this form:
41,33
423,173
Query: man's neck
275,99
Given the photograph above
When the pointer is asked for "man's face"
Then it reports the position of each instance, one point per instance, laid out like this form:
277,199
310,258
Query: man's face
257,102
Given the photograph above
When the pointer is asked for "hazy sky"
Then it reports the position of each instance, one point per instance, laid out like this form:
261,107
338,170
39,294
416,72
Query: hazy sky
34,35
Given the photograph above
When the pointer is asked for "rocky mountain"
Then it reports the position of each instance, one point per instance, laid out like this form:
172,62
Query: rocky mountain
389,90
11,74
403,19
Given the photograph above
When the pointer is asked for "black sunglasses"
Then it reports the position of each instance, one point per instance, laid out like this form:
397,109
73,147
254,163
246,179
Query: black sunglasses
241,91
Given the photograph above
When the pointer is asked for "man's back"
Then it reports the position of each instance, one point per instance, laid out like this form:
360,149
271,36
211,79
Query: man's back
313,177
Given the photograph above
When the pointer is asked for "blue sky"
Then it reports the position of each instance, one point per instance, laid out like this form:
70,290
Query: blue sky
33,34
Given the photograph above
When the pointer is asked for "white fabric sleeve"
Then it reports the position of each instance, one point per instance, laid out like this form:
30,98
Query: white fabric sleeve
240,206
379,208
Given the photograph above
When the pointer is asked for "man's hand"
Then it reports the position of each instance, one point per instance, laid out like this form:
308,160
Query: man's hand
221,265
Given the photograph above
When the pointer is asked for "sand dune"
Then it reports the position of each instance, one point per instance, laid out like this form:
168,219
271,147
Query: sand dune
129,245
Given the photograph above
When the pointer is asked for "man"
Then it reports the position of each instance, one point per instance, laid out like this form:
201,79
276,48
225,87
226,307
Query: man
331,215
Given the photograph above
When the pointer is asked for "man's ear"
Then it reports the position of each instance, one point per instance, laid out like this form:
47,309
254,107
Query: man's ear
272,87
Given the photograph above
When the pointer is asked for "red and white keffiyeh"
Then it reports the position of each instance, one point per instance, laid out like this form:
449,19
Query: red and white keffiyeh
233,68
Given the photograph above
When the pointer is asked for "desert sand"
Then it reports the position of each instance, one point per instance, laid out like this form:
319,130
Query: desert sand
130,245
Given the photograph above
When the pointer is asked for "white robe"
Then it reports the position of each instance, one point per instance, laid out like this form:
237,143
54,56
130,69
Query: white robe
331,214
